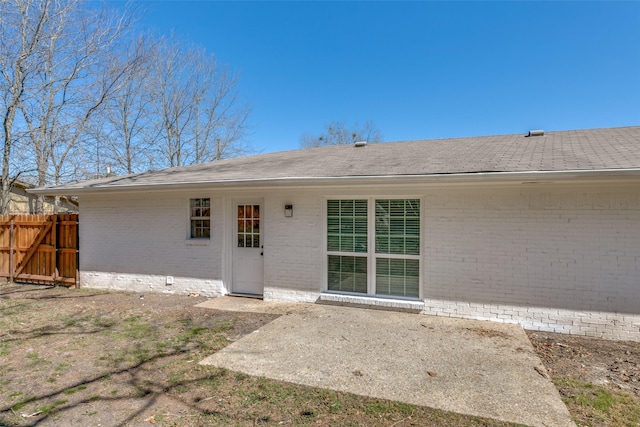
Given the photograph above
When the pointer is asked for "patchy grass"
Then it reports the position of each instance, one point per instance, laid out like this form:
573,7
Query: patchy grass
99,354
593,405
104,322
15,394
36,360
61,367
73,357
22,403
48,409
76,322
135,327
73,390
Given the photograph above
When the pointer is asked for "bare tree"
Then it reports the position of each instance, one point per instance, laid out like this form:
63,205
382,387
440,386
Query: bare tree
57,79
22,32
74,81
338,133
198,116
79,93
121,141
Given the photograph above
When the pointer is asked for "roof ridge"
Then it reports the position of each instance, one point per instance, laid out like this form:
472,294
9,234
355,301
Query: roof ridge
523,134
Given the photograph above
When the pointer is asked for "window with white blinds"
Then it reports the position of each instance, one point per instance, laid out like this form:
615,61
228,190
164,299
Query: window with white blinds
347,226
347,234
388,264
398,247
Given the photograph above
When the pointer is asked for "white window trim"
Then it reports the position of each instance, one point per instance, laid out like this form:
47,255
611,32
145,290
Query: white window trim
371,254
198,241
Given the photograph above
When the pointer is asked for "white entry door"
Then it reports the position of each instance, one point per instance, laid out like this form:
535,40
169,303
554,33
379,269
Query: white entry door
248,259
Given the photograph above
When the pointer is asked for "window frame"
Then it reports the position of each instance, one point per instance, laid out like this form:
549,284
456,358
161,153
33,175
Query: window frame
395,256
371,255
191,218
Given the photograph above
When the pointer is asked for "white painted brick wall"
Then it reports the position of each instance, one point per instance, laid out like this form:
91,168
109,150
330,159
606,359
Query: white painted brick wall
556,258
288,294
142,283
293,247
133,242
596,324
562,261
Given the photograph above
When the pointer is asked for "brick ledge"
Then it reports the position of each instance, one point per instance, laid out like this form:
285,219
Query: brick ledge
374,301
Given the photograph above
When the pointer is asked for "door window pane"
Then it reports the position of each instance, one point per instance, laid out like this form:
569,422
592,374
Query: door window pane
248,226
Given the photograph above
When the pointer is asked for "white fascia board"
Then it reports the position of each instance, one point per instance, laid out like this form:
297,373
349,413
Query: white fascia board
474,178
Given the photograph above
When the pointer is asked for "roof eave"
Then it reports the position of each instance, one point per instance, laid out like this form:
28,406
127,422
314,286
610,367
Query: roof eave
449,178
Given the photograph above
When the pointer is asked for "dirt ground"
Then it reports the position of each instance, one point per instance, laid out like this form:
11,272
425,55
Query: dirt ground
599,380
612,364
91,358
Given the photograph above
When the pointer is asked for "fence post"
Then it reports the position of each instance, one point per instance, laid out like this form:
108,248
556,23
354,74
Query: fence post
77,228
11,260
54,241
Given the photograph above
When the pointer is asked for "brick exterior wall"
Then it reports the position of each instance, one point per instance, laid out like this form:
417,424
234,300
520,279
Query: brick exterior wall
134,242
293,248
564,260
549,257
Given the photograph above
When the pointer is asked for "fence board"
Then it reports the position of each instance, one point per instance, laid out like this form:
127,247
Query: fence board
39,248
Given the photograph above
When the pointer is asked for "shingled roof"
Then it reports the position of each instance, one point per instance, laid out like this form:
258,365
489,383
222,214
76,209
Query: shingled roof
580,150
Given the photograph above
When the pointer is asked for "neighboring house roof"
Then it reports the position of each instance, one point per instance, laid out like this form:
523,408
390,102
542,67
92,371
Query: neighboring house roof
23,202
605,151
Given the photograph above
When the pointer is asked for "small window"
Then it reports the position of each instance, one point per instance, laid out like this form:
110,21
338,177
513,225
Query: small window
200,218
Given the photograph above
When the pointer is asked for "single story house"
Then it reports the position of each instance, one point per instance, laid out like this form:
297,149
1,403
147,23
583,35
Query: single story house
540,229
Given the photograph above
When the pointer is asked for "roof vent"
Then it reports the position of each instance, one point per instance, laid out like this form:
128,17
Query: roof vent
360,144
538,132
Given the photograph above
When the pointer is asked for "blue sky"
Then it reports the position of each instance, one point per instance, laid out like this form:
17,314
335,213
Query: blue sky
420,70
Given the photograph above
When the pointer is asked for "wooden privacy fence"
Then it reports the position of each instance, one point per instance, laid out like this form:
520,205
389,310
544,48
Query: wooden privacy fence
39,248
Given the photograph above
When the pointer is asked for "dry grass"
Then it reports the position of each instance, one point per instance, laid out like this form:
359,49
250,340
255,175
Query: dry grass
594,406
82,357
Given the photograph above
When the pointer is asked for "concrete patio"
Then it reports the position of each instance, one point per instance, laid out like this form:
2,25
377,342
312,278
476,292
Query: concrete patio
471,367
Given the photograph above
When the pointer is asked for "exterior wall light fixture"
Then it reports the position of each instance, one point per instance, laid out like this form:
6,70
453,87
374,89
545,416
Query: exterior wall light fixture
288,211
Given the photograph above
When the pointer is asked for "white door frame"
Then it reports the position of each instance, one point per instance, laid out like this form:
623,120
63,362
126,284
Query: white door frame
233,242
